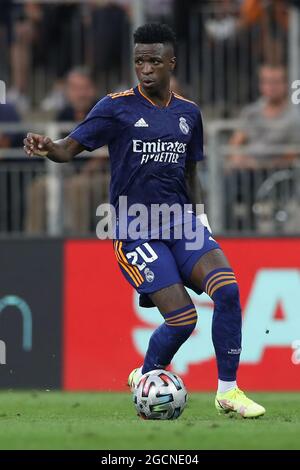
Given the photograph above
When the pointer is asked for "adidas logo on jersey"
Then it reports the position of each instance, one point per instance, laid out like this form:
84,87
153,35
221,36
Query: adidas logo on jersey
141,123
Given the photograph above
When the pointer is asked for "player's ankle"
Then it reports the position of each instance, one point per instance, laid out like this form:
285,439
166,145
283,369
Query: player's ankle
225,386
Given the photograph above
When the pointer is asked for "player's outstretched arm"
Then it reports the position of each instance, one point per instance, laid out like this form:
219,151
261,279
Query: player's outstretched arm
59,151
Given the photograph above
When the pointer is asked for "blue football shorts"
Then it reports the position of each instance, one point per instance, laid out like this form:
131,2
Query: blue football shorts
151,265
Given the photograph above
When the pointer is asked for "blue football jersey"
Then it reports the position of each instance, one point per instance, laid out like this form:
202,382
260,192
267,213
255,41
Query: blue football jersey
148,145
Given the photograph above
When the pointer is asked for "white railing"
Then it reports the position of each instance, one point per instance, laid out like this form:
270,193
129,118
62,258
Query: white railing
18,171
266,200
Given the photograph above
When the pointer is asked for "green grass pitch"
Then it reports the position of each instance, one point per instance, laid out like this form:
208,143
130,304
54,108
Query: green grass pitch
56,420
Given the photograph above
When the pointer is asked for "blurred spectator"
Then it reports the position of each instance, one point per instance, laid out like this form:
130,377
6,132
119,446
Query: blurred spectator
272,17
85,183
270,121
268,20
27,22
240,35
43,37
107,42
80,95
224,22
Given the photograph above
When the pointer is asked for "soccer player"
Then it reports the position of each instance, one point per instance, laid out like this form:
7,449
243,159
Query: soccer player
155,141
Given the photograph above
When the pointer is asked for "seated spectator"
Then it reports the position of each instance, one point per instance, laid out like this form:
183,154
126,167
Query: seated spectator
272,120
86,183
265,126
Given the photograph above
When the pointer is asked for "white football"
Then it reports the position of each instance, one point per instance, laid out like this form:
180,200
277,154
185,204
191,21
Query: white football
160,394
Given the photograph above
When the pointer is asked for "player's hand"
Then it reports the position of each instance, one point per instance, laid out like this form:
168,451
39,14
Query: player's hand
36,144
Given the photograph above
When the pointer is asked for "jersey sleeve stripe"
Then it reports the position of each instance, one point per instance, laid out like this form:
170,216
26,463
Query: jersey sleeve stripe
183,99
120,96
122,93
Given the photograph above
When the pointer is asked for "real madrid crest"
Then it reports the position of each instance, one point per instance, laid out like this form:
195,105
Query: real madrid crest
149,275
184,127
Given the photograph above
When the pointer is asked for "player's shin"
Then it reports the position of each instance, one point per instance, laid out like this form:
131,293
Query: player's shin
167,339
222,287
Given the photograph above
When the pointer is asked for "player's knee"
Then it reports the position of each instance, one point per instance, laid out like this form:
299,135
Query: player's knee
222,287
184,330
184,320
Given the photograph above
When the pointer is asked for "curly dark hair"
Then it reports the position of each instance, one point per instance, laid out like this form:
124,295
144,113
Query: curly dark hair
152,33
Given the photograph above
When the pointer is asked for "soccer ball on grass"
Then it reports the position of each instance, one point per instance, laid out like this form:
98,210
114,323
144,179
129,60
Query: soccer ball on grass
160,394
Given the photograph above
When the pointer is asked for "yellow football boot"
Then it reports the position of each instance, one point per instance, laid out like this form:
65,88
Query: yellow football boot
134,377
236,401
